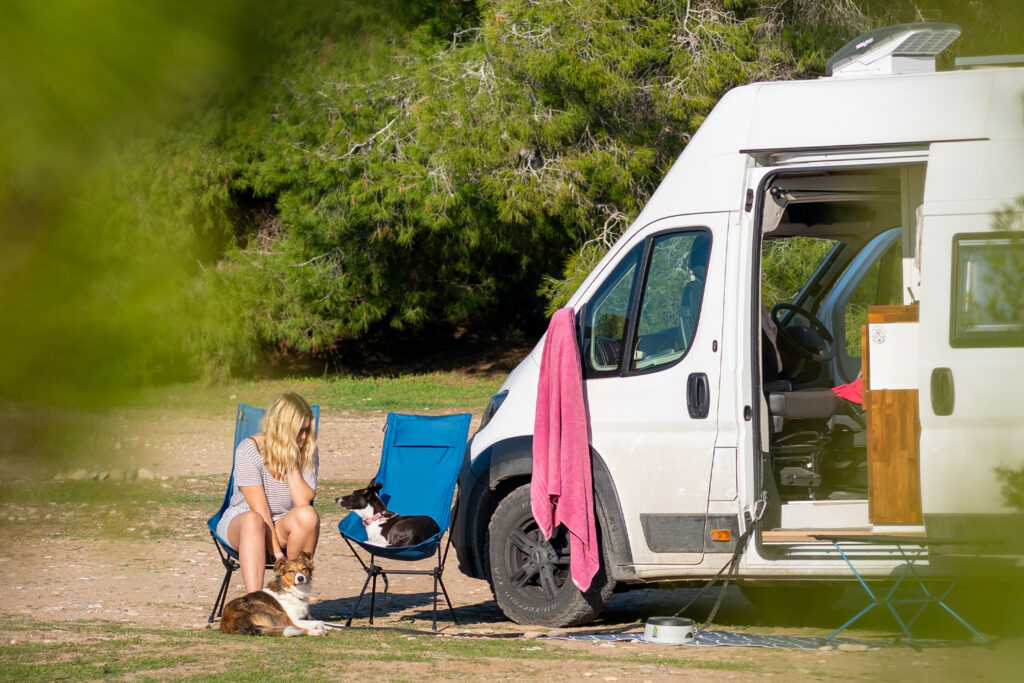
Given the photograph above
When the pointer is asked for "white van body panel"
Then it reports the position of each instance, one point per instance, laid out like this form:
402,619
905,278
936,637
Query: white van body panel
960,452
823,114
887,110
954,120
518,412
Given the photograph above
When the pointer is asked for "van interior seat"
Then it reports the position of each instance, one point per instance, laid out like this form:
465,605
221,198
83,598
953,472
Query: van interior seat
804,404
812,403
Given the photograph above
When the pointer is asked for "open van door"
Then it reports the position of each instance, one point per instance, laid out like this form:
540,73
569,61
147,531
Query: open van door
971,364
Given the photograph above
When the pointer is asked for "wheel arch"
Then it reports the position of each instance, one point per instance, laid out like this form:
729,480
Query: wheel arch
508,464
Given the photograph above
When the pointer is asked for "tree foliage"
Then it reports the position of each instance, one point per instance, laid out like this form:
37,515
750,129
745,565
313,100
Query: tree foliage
474,167
448,183
287,176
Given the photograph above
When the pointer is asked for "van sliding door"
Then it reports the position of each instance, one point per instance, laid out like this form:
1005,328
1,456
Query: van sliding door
971,367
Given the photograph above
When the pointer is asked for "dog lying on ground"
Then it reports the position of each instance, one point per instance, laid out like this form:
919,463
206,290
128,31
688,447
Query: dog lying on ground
281,608
383,527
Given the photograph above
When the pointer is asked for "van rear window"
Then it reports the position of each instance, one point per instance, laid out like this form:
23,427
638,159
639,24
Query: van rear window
988,290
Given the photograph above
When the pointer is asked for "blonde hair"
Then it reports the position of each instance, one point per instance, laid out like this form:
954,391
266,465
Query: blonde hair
280,427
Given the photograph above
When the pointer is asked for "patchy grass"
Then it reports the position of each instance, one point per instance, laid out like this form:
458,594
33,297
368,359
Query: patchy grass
154,510
47,651
32,648
438,391
39,440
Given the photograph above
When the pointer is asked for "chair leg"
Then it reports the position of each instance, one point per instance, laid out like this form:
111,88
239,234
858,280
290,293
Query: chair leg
362,592
373,570
373,597
222,595
435,602
445,592
438,580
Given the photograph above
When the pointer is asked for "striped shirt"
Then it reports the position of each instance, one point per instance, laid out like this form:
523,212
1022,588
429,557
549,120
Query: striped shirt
250,471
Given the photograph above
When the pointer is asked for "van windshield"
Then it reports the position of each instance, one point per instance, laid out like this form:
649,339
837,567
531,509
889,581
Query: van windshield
788,266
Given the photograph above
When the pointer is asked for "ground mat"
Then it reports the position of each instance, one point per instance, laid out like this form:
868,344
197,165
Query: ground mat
735,639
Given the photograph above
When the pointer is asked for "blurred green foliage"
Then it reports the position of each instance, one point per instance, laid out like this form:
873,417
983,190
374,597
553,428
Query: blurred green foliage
95,244
190,187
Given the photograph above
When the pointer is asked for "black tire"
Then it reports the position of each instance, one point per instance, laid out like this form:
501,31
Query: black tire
530,576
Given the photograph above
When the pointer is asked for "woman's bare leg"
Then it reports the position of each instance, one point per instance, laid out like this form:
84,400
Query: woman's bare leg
248,534
299,530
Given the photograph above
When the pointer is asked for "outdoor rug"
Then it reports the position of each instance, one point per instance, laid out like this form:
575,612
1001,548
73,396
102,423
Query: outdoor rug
732,638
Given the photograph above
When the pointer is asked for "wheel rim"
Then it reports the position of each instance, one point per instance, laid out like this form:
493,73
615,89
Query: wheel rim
536,567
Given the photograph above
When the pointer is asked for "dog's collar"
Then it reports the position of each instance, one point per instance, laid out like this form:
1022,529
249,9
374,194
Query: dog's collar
371,520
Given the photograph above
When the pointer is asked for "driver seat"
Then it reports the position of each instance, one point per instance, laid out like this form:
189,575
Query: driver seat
785,402
803,421
812,403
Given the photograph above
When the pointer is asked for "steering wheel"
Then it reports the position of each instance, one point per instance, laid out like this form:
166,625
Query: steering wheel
804,346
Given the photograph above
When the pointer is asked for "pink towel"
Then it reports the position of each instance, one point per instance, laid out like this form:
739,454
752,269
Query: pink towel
561,491
854,391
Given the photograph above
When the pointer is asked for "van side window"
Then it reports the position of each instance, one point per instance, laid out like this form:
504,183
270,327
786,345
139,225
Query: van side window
607,318
672,294
988,282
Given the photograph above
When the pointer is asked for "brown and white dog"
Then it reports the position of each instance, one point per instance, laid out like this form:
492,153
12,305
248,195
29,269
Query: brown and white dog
280,609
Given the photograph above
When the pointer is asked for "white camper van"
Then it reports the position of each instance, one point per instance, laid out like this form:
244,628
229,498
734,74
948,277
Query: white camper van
707,419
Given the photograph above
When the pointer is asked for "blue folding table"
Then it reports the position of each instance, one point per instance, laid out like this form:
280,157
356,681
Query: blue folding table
911,549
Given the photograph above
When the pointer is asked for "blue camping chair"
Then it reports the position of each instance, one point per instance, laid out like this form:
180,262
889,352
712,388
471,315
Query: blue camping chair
419,466
247,423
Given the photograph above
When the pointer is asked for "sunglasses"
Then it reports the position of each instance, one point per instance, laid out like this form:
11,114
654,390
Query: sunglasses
305,430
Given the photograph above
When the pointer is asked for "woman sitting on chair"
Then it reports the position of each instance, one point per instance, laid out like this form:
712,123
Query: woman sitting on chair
271,506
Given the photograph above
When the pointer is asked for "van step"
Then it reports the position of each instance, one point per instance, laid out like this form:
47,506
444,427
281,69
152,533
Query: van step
807,535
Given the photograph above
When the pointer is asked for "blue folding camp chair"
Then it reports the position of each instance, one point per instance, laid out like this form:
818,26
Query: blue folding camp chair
419,467
247,423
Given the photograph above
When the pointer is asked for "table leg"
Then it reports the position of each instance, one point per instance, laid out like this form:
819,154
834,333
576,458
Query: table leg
874,600
877,601
939,600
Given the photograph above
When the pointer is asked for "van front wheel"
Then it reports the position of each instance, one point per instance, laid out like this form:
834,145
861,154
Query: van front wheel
530,575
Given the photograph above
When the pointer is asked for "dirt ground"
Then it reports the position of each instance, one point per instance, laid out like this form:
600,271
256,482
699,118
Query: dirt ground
172,583
160,582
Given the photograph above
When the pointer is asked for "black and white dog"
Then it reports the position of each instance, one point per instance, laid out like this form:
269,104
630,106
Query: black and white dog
383,527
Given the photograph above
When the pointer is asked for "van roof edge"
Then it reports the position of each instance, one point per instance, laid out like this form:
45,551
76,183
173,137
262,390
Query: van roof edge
982,61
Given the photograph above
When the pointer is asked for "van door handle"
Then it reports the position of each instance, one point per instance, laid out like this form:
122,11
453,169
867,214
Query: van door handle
943,393
698,395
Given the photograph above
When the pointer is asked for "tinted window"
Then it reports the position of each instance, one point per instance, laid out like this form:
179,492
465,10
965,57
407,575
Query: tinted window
607,317
673,291
988,290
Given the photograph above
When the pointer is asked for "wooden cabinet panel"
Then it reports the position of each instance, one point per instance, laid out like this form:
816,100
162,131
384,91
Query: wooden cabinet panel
893,434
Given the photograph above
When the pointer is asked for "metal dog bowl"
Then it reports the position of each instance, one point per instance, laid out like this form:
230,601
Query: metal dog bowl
669,631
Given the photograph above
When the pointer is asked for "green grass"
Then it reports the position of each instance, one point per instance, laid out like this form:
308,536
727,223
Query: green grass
439,391
93,651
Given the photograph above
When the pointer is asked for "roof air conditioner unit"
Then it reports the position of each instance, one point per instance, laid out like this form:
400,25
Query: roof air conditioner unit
903,48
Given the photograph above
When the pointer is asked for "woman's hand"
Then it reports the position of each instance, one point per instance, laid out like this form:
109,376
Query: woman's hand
301,492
